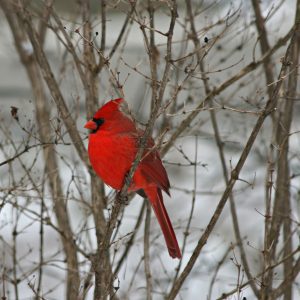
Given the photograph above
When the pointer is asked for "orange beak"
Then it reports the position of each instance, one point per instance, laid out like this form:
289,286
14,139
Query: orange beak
90,125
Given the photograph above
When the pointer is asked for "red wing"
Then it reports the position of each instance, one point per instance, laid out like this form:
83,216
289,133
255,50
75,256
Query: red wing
153,169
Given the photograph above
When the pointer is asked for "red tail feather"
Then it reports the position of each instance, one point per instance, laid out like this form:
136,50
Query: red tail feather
155,196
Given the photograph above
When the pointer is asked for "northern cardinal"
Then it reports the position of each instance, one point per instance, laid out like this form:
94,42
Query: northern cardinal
113,144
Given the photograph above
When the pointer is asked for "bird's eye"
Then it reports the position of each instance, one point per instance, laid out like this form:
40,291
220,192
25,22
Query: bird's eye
99,122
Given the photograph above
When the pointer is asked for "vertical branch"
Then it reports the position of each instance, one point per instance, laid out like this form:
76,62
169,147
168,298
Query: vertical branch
268,70
265,47
15,256
168,57
91,100
44,20
147,250
101,261
3,284
282,202
103,32
41,263
153,53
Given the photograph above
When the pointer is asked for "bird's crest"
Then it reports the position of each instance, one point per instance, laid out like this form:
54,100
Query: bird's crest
108,108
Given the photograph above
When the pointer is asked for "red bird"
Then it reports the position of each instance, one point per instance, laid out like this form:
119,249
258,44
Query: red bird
113,144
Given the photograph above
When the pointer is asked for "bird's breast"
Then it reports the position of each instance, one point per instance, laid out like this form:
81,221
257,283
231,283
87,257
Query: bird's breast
111,157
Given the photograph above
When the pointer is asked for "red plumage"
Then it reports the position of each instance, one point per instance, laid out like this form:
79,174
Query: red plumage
113,144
